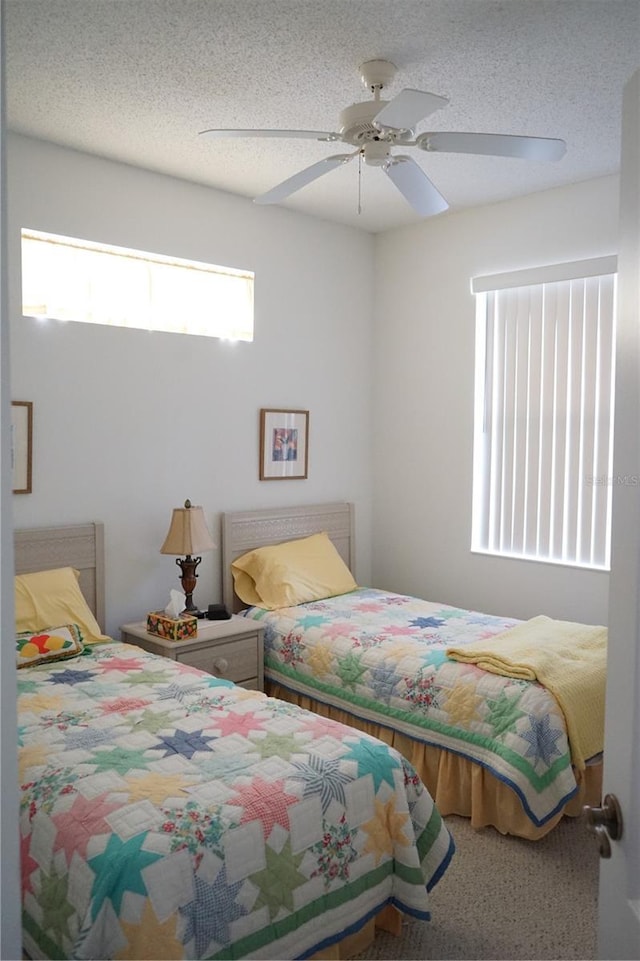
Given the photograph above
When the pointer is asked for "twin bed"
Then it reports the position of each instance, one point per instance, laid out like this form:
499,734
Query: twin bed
489,747
166,813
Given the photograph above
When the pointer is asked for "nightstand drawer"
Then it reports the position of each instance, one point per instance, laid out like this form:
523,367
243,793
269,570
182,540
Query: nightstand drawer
235,661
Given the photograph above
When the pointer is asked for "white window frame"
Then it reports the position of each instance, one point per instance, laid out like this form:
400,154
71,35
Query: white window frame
543,420
64,278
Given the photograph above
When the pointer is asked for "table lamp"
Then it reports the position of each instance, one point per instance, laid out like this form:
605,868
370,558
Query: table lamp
188,534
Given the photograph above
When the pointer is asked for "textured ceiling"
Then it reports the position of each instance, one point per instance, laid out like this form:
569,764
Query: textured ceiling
135,80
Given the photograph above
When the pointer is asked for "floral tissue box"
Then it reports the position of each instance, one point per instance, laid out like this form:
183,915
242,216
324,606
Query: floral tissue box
172,629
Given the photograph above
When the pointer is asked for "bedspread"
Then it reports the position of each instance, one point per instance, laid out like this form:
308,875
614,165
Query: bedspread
168,814
381,657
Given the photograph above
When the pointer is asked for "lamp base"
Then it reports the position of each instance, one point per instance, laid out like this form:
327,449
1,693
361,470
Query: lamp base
189,579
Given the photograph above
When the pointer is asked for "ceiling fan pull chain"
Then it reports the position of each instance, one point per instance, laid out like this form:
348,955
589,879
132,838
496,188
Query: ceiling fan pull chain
360,182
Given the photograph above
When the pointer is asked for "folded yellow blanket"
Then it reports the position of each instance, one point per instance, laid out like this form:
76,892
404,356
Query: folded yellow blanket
569,659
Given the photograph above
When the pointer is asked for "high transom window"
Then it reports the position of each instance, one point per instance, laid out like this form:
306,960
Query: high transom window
69,279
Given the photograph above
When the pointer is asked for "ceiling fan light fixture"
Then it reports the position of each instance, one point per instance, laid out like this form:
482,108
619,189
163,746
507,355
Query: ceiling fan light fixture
376,153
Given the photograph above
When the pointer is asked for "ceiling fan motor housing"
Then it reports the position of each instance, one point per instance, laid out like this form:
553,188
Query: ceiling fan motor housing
357,126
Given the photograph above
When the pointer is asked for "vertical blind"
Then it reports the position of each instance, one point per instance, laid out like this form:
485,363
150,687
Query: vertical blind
544,416
68,279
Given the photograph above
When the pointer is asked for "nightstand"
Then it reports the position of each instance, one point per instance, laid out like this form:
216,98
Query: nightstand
232,649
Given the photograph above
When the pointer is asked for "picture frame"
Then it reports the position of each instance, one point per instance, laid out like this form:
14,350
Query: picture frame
21,445
284,444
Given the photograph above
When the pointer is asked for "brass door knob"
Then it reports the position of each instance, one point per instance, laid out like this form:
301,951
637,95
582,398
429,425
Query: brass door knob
604,844
605,822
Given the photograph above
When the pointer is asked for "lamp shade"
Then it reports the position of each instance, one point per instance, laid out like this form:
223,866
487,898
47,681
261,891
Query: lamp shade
188,532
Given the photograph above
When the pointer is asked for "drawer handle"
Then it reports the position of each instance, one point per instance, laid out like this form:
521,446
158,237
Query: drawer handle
221,665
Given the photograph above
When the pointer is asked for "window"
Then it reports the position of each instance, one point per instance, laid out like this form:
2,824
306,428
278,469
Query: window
69,279
543,439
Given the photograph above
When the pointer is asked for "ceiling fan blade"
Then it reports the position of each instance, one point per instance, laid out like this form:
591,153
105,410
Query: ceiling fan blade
415,186
297,134
494,145
302,178
409,108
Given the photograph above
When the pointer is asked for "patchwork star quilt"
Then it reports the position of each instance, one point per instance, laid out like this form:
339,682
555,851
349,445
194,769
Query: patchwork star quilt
381,657
168,814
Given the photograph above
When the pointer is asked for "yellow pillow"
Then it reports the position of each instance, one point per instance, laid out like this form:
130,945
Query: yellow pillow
294,572
54,597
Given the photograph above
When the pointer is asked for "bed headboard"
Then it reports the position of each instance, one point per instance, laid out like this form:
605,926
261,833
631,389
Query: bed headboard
78,545
243,531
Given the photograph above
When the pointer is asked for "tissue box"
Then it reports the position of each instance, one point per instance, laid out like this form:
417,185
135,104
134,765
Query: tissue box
173,629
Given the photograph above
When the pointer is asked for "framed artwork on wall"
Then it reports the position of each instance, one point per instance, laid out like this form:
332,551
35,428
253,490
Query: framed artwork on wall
284,444
21,445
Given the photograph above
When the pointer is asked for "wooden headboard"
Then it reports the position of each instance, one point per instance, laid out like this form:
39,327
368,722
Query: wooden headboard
243,531
78,545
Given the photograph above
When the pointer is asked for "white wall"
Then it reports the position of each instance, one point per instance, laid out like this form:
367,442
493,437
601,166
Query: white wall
423,401
127,424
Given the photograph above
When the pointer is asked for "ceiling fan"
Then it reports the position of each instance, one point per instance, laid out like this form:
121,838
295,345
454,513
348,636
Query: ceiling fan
374,127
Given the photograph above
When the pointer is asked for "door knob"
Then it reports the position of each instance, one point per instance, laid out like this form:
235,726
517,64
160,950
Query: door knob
605,822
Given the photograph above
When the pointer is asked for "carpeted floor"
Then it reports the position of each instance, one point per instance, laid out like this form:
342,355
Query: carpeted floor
504,898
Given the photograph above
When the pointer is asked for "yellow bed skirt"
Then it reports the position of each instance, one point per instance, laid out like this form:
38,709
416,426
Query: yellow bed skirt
387,919
456,785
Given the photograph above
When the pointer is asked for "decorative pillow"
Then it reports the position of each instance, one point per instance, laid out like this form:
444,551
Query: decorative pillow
54,597
294,572
52,644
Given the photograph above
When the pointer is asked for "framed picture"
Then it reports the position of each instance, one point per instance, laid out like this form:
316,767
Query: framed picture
21,445
284,444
